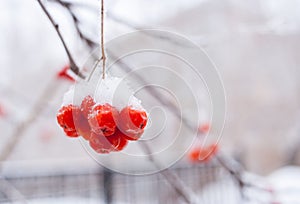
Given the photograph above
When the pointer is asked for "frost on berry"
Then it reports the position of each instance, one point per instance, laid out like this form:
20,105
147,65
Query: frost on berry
87,105
132,122
102,119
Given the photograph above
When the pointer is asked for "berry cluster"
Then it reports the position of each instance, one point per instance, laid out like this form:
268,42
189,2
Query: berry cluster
204,154
106,128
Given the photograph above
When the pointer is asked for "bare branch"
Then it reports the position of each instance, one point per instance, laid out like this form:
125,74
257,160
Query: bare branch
22,127
73,65
91,43
144,30
158,96
171,178
68,6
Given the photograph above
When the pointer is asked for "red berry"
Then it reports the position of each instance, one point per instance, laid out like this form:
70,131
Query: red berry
102,119
65,119
71,133
122,140
73,122
82,126
87,105
132,122
194,155
104,145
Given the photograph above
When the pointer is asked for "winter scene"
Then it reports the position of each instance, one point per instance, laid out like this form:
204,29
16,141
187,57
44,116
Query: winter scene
150,102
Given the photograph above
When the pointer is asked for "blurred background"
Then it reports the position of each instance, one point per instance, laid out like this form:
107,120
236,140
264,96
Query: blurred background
254,44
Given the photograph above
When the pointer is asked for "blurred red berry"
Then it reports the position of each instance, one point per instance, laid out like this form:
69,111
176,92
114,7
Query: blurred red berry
132,122
104,145
46,134
87,105
102,119
63,74
204,128
194,155
2,112
204,154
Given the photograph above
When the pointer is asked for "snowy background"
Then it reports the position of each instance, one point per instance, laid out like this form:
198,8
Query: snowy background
255,45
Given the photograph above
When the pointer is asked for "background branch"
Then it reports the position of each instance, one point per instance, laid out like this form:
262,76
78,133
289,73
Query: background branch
179,187
23,126
73,65
69,7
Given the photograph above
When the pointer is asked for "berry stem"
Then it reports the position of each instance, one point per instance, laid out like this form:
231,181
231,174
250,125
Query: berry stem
73,65
102,39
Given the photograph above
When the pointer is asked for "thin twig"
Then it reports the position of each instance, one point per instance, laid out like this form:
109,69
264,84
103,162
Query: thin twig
153,92
73,65
145,31
11,192
236,173
91,43
171,178
68,6
22,127
102,39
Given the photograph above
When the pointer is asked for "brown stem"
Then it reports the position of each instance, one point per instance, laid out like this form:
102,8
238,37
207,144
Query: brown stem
102,40
73,65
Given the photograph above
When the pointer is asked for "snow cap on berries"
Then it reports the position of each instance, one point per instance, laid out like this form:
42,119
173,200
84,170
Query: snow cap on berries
68,97
115,91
